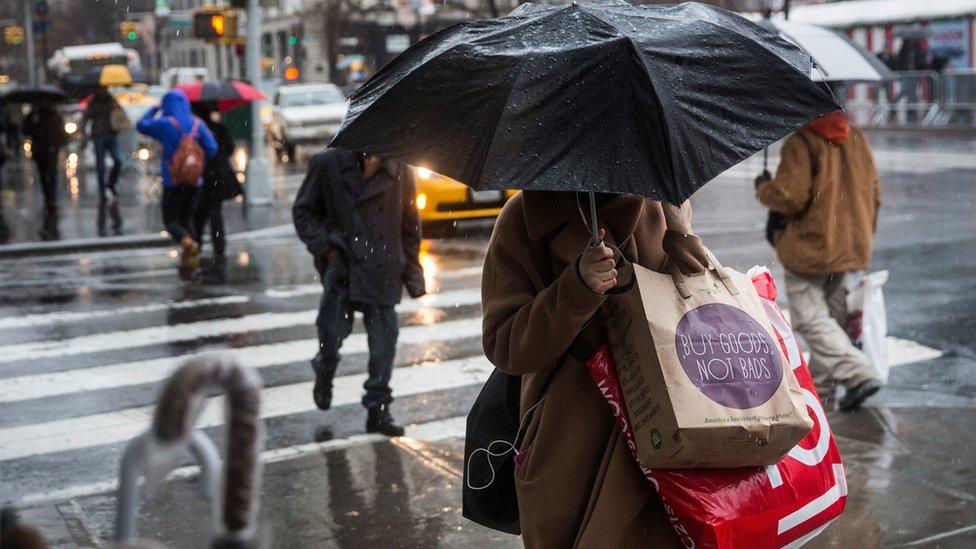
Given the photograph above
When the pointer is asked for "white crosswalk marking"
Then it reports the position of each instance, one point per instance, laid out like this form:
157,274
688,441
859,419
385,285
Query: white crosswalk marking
93,436
260,356
189,331
94,430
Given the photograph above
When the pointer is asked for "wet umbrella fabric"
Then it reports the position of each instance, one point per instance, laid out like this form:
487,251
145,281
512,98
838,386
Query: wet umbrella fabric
646,100
227,94
837,57
33,94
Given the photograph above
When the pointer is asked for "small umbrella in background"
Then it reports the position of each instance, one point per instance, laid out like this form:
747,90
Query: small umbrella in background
227,94
33,94
114,75
651,100
837,57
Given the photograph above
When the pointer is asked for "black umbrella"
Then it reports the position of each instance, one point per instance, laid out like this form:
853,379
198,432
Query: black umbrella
649,100
33,94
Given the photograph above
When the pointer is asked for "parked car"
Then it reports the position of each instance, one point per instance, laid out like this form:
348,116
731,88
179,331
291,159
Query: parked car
443,201
305,114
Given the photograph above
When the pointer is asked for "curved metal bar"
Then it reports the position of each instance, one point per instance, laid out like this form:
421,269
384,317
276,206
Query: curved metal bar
178,407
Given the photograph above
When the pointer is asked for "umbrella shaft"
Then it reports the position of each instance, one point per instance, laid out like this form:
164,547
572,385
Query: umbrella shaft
594,226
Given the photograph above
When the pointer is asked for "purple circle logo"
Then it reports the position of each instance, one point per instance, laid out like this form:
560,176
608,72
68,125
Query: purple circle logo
728,356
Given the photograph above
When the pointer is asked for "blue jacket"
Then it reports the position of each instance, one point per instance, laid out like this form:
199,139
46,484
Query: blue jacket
158,124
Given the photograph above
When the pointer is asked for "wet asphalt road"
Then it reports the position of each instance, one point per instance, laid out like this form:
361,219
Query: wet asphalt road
85,340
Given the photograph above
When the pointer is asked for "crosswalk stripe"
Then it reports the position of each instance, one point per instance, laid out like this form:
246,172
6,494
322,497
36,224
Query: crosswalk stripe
58,317
22,388
122,425
431,431
156,335
299,290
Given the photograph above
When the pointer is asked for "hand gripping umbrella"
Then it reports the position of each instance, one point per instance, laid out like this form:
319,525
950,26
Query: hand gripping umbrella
601,96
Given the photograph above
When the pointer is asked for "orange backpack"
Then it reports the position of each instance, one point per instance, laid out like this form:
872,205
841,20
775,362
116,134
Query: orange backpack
186,165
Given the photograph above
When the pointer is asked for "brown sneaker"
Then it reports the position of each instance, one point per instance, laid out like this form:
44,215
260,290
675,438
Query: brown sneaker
189,253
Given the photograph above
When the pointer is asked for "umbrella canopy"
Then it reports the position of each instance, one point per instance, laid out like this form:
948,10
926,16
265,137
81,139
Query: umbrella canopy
33,94
649,100
114,75
837,57
228,94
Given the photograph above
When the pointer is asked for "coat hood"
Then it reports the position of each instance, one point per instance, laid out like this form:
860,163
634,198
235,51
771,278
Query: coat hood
176,104
833,127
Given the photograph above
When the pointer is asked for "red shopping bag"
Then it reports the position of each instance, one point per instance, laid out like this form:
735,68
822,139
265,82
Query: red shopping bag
782,505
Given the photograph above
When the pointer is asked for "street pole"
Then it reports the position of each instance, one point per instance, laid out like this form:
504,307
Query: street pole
29,37
257,187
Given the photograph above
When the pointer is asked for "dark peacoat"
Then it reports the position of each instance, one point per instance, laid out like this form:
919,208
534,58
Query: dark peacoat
373,225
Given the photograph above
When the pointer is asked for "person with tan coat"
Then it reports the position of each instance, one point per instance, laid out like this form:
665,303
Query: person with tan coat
827,189
577,484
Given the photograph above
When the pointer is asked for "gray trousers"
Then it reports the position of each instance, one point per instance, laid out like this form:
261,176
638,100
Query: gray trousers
818,310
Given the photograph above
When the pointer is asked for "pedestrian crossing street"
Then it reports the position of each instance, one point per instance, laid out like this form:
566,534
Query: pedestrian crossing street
77,384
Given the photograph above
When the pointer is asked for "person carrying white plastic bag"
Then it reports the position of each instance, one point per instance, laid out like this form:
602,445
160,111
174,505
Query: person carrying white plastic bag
827,188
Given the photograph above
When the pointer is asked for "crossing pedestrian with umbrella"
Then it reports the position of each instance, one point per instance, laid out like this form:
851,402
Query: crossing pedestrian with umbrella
608,116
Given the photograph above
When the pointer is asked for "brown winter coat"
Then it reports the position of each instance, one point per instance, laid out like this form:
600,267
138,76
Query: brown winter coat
578,485
831,196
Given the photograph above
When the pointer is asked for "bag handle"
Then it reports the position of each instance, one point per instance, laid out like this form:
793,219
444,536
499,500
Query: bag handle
714,267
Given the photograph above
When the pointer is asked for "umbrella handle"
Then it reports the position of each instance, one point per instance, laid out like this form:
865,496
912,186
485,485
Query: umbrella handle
595,242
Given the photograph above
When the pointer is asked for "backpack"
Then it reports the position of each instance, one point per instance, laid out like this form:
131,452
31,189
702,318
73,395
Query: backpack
188,161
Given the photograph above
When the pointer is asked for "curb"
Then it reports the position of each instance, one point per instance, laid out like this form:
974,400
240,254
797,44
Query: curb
108,243
22,249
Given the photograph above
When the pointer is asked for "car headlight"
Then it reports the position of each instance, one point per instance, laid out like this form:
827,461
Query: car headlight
143,153
70,128
424,173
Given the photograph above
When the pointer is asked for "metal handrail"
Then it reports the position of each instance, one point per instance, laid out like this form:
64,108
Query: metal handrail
155,452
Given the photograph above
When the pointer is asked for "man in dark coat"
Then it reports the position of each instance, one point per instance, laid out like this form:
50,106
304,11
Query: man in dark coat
357,217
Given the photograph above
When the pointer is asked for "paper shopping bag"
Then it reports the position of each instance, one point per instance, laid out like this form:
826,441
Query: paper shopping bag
704,381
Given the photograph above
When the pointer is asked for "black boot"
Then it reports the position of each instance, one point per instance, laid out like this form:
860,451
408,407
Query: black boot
322,392
379,420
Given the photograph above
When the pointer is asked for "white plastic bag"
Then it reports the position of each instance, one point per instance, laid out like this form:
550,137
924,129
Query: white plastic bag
867,323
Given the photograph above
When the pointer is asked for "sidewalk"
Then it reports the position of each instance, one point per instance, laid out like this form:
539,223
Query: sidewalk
369,492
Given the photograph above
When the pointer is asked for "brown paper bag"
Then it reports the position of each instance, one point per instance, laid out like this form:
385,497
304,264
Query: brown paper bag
703,377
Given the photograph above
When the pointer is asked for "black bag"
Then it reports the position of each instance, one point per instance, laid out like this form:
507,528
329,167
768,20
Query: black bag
775,224
488,489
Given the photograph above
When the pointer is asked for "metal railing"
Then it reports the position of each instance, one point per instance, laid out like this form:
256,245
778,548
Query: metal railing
916,98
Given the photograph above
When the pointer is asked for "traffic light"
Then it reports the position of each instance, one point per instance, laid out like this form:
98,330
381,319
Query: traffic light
292,74
215,24
129,30
13,35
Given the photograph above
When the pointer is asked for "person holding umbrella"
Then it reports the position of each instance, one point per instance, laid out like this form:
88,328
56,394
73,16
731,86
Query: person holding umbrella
45,128
219,180
609,117
170,124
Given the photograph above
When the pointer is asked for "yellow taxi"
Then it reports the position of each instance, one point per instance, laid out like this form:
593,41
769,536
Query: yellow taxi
442,200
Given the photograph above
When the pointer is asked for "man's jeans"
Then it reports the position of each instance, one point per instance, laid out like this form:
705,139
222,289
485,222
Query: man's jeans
107,144
335,324
818,310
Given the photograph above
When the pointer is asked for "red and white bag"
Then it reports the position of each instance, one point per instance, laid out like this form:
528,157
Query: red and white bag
782,505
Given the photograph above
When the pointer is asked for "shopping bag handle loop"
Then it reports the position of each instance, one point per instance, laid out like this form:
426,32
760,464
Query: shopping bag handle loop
714,267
